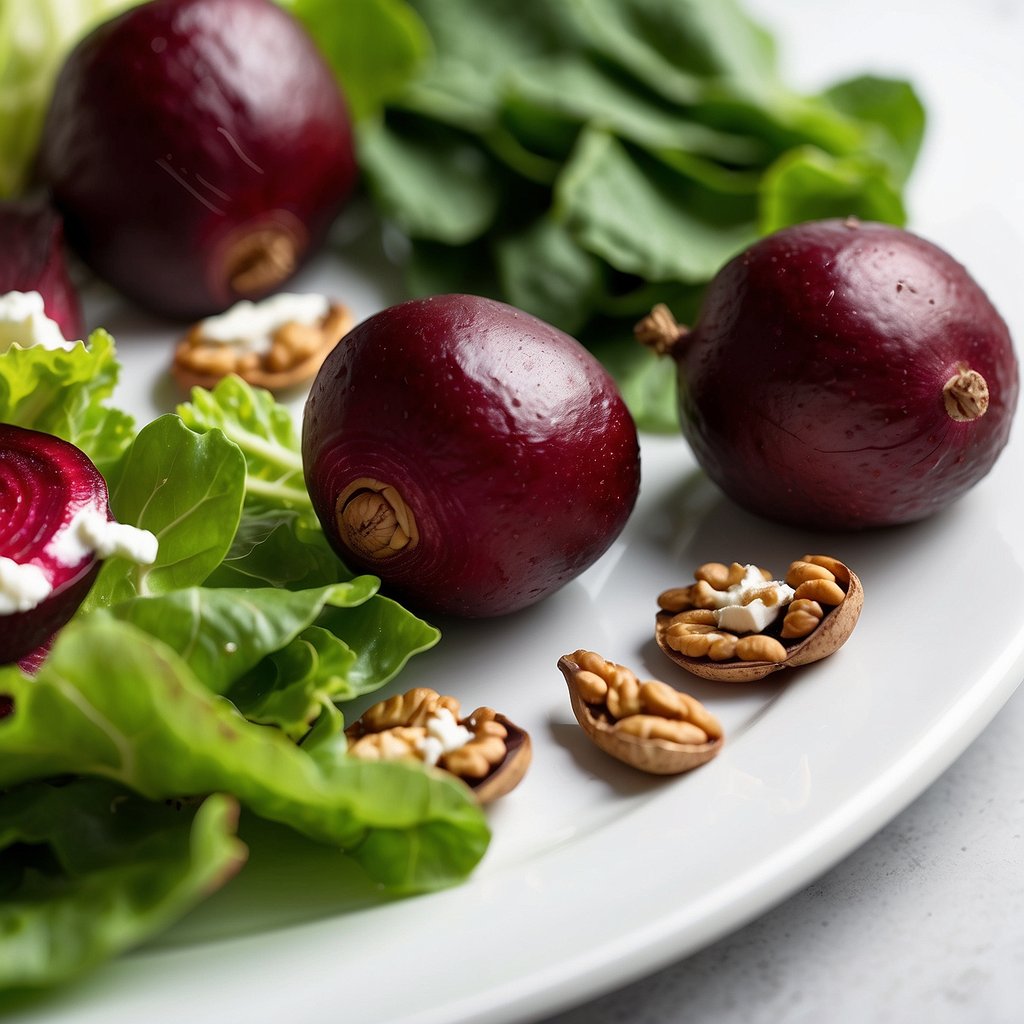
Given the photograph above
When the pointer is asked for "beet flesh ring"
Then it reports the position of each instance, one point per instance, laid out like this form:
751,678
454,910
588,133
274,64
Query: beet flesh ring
199,151
44,481
845,375
471,455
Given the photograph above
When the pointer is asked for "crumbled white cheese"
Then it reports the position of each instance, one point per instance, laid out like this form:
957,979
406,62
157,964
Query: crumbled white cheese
23,321
90,533
444,734
737,612
250,326
22,587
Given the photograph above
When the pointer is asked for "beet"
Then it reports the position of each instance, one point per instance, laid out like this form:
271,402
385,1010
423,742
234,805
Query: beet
843,375
471,455
48,489
199,150
33,260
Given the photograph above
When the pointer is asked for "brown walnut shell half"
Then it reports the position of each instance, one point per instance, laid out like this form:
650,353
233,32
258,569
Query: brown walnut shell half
649,754
393,728
830,634
505,776
198,364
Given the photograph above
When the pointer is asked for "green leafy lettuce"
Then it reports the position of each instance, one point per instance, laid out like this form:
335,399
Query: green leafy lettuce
89,869
66,393
584,160
216,677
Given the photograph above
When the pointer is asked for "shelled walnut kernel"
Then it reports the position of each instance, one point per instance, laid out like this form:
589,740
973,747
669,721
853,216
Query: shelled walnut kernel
802,618
645,723
487,751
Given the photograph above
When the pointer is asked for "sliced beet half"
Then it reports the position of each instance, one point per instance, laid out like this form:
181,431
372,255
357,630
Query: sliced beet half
46,486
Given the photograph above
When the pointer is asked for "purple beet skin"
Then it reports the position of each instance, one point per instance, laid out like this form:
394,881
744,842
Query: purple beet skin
44,481
471,455
33,260
199,150
844,375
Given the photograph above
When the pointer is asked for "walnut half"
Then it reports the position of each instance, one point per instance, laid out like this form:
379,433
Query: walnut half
295,353
485,750
815,608
647,724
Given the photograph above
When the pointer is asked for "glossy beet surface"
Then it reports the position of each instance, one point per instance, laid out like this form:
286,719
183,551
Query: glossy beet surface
813,386
32,259
199,150
44,481
473,456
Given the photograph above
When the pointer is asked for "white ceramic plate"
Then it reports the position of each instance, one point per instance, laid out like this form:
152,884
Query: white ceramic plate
596,874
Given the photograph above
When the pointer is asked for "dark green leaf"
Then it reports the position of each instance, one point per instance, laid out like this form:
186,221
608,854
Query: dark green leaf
374,49
544,272
434,182
644,219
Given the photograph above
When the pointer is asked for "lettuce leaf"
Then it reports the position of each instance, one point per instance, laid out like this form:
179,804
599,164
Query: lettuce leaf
264,431
64,392
278,547
187,489
349,651
114,703
88,870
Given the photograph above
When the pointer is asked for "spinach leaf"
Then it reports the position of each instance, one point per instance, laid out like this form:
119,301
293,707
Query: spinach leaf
547,151
681,48
433,181
547,101
543,267
374,48
644,219
892,110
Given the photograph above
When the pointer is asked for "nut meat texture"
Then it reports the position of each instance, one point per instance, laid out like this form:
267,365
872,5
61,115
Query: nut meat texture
489,753
644,723
811,614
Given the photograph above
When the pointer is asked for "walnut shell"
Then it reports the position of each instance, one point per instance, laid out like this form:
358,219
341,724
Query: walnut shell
189,371
504,777
655,756
831,633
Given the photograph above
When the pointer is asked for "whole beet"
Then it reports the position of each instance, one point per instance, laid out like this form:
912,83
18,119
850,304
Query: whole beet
471,455
32,259
843,375
199,150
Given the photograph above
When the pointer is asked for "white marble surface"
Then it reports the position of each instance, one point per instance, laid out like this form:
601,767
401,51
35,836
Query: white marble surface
925,922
